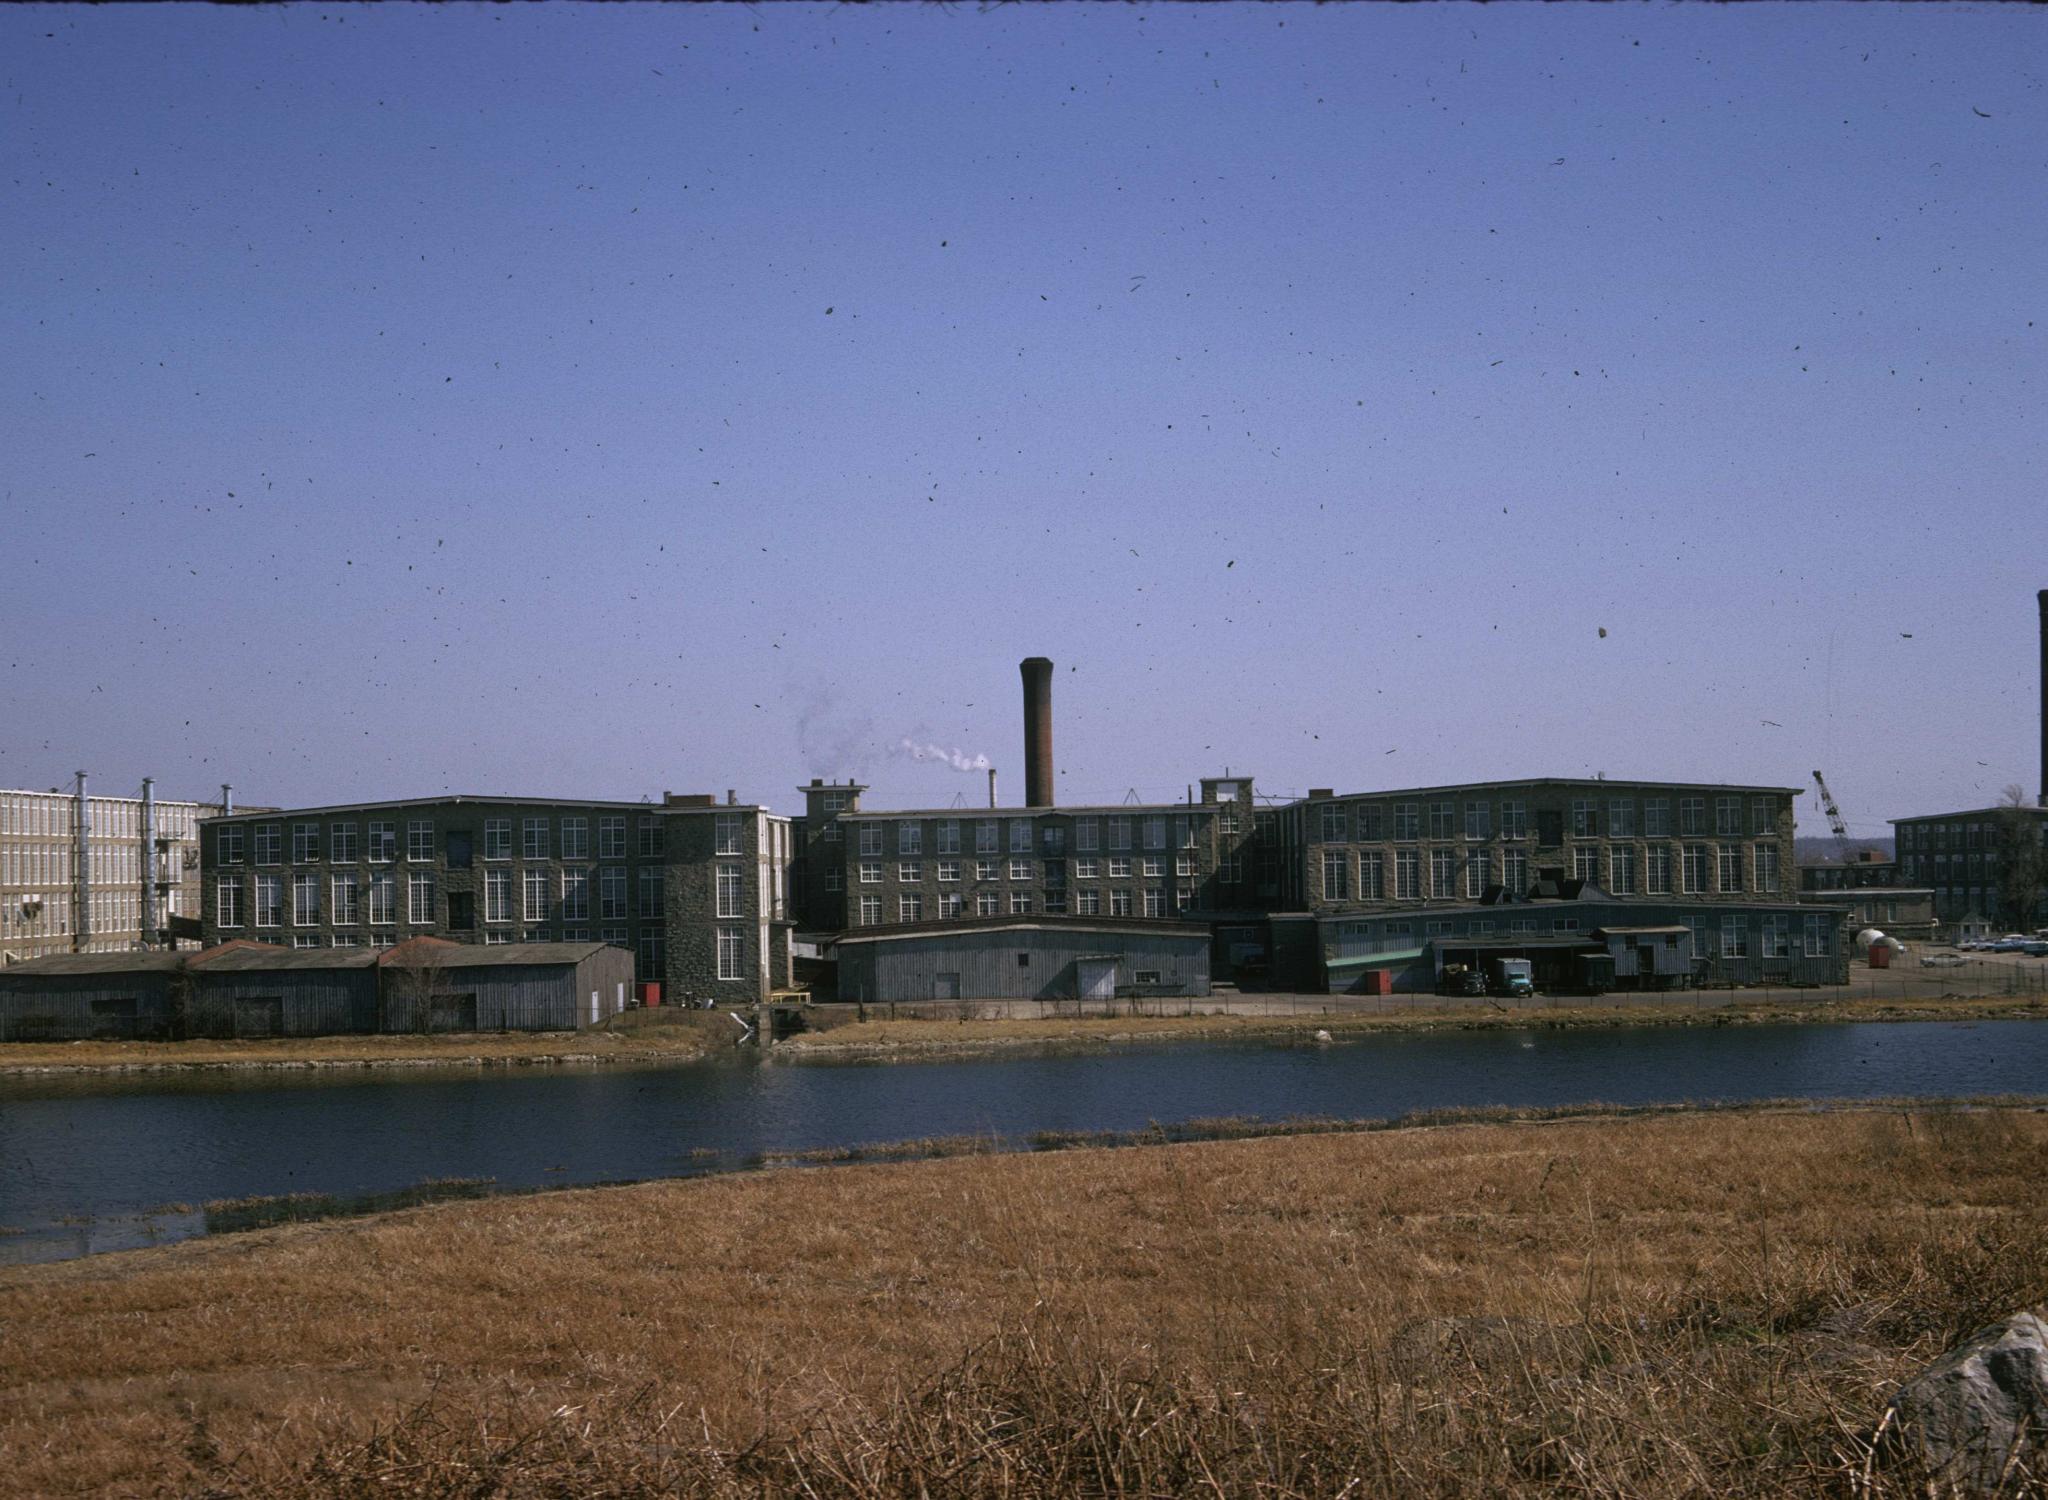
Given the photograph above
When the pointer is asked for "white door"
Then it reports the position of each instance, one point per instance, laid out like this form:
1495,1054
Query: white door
1096,978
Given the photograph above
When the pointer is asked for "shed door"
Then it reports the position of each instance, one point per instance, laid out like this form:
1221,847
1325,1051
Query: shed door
946,987
1096,978
259,1015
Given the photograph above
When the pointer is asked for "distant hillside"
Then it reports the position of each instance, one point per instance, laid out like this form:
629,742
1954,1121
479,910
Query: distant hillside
1813,848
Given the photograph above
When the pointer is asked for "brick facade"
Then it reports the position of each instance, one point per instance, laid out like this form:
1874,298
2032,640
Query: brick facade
504,870
1132,861
1634,839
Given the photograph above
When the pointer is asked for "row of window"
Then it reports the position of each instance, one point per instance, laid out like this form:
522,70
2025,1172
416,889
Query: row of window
44,815
1590,817
1940,871
1961,835
111,911
1728,936
539,838
1119,866
1118,902
1030,835
539,893
1615,868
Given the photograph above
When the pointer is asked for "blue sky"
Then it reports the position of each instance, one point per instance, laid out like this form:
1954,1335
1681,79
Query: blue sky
597,400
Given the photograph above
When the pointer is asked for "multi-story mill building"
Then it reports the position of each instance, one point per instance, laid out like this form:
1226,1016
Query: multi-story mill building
1960,856
696,889
82,873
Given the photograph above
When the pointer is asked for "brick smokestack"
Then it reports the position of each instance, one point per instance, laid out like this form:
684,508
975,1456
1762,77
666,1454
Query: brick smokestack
1037,672
2041,786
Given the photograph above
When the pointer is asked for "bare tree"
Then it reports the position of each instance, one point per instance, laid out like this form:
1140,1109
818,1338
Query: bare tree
415,970
2022,865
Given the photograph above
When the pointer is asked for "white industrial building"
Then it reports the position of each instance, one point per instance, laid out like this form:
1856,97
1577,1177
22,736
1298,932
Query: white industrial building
82,873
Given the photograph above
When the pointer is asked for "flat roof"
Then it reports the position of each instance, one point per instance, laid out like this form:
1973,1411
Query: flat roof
469,801
1609,783
1975,812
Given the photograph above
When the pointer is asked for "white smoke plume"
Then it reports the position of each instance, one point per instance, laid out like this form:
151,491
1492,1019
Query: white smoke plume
959,760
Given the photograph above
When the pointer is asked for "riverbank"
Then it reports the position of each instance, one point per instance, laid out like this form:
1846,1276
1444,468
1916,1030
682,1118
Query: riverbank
940,1036
1709,1304
640,1038
655,1038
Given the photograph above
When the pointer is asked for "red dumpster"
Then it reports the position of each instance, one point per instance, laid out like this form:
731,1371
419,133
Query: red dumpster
1880,955
1379,982
650,993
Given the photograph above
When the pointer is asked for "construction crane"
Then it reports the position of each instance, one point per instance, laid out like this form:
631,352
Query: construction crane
1827,802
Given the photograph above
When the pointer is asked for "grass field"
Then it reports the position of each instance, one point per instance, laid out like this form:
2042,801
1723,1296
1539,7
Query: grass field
1675,1304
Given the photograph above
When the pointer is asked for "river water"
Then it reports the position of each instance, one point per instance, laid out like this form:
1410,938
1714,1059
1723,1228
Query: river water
92,1164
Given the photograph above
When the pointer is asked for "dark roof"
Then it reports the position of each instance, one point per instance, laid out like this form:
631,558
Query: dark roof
477,955
1092,810
1975,812
100,963
268,957
1672,930
399,804
437,952
1611,784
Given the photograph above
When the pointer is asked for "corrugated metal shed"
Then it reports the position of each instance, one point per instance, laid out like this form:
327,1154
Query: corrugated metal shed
246,989
1022,960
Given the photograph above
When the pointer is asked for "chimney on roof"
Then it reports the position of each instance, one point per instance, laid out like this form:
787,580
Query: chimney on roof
732,797
1037,672
991,786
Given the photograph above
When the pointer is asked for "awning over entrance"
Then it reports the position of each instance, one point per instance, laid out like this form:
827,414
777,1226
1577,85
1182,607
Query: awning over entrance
1375,960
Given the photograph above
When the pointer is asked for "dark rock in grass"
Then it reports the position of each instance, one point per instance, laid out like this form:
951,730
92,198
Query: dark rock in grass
1977,1418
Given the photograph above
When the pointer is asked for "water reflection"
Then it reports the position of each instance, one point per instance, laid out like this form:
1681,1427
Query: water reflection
89,1164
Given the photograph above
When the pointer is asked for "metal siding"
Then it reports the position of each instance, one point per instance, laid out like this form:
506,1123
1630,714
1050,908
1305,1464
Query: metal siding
908,968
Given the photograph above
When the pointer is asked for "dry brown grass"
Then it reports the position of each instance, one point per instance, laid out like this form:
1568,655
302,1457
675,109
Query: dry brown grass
927,1034
662,1036
1698,1305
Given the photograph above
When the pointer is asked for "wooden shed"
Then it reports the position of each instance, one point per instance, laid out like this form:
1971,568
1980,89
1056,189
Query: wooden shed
432,985
75,996
258,990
